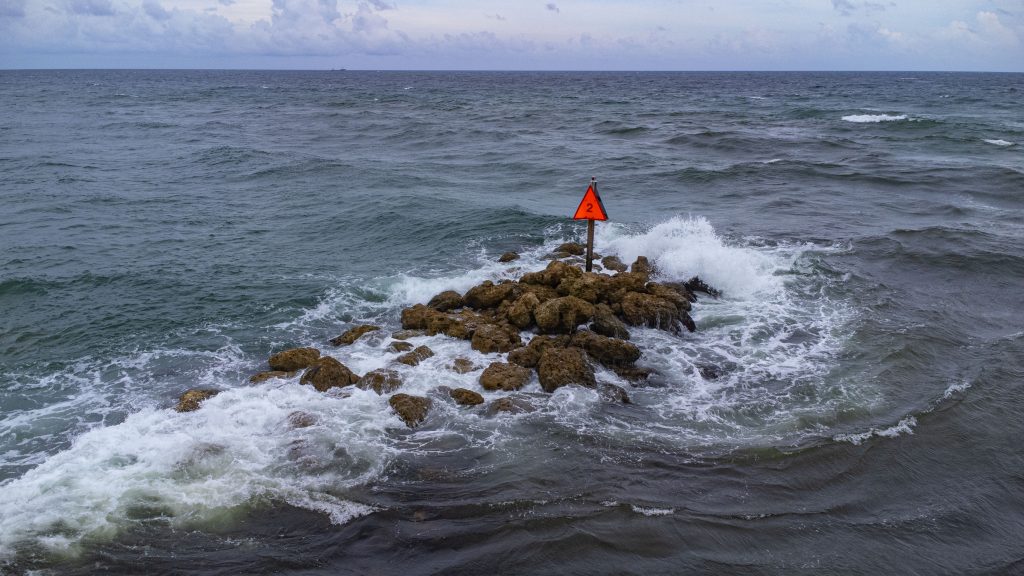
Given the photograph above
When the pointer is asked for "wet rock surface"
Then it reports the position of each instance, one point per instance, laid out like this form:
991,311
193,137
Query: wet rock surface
382,381
327,373
294,359
411,409
191,399
353,334
465,397
504,376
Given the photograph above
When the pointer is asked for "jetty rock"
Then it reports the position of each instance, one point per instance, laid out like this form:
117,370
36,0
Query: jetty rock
191,399
327,373
353,334
411,409
294,359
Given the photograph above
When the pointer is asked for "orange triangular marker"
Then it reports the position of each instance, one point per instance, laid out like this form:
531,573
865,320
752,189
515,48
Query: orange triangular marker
591,207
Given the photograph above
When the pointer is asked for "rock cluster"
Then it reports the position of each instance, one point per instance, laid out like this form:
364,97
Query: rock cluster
578,319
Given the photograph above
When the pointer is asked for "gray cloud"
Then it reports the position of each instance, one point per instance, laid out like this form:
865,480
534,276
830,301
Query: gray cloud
12,8
552,7
845,7
91,7
155,10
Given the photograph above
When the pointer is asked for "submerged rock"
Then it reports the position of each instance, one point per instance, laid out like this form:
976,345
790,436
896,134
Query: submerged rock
191,399
508,257
462,365
563,366
510,405
353,334
382,381
327,373
502,376
418,354
299,419
399,346
614,394
464,397
411,409
406,334
264,376
294,359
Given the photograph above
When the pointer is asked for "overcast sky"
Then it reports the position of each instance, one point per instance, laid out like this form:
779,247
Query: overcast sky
515,34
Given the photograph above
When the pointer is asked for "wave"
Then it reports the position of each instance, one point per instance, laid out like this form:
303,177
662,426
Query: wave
874,118
998,142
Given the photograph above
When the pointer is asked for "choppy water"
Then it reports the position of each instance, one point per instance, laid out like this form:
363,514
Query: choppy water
168,230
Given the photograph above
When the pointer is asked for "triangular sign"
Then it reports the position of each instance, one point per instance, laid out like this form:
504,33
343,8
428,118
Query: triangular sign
591,207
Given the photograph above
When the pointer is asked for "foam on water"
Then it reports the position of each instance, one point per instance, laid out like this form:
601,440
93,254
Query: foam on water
998,142
873,118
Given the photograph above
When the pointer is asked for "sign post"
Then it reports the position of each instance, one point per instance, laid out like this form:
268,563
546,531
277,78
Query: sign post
590,209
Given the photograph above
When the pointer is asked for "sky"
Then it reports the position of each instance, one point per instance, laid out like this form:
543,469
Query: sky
962,35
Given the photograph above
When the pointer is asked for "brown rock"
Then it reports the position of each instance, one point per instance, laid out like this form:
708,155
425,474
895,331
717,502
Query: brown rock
670,293
573,248
399,346
264,376
541,291
642,266
445,301
562,315
648,310
353,334
382,381
490,295
495,338
411,409
502,376
464,397
327,373
419,354
508,257
463,365
695,284
632,373
563,366
419,317
191,399
607,324
520,313
613,263
510,405
622,284
294,359
529,356
590,286
406,334
607,351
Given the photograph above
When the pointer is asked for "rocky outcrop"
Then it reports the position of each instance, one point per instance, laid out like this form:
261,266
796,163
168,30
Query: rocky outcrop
563,315
613,263
445,301
572,248
520,313
607,351
639,309
327,373
495,338
502,376
490,295
294,359
563,366
382,381
353,334
606,323
417,355
411,409
464,397
529,355
191,399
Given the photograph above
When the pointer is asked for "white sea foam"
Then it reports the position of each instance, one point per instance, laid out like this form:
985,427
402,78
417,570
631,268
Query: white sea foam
904,426
653,511
871,118
955,389
999,142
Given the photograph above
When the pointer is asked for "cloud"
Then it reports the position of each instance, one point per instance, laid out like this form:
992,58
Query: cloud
845,7
155,10
12,8
551,6
91,7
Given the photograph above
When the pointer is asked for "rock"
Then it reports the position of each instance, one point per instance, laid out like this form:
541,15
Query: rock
420,317
510,405
411,409
556,272
613,263
464,397
299,419
463,365
563,366
710,371
695,284
495,338
529,355
590,286
541,291
406,334
562,315
621,284
353,334
508,257
613,393
687,321
399,346
648,310
572,248
632,373
419,354
607,351
502,376
327,373
642,266
670,293
445,301
191,399
606,323
264,376
294,359
520,313
382,381
490,295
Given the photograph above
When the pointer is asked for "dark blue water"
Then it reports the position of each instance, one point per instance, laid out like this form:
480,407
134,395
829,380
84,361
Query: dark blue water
167,230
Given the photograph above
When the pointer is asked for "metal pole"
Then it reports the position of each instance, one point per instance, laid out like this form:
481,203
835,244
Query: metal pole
590,245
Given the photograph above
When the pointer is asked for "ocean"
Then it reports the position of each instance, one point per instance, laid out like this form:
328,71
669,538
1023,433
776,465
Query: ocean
851,404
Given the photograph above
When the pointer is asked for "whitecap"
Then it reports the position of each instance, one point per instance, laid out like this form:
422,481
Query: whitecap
871,118
904,426
999,142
